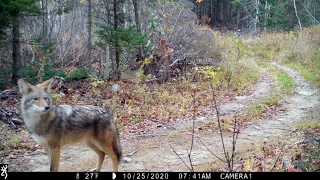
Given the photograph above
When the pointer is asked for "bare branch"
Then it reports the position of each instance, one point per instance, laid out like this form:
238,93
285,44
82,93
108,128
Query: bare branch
211,151
219,125
7,115
314,19
277,158
316,170
180,157
234,140
295,9
193,122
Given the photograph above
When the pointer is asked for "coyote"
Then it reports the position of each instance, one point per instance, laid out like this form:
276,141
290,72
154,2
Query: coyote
54,126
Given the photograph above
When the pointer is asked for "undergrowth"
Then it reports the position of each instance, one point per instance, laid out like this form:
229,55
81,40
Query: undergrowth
295,49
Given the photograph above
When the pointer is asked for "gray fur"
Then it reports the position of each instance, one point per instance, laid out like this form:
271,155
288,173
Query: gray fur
54,126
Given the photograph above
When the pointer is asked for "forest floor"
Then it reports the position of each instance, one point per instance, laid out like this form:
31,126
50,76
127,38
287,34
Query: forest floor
151,151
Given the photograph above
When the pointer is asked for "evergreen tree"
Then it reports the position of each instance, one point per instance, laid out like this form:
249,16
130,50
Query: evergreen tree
119,37
11,12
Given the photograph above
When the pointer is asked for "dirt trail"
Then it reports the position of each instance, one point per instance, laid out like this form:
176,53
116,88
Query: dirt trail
296,106
152,152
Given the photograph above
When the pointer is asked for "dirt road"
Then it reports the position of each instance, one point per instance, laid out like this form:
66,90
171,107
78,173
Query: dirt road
151,152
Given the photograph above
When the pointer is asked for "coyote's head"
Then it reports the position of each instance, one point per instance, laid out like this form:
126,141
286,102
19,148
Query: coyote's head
35,98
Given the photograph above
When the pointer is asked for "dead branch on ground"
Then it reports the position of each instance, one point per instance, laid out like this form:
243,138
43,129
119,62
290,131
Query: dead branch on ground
7,116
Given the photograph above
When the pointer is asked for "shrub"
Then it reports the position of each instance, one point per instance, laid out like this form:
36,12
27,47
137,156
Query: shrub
4,78
31,73
49,72
78,74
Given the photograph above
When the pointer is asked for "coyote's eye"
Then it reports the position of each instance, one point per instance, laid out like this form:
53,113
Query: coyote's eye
45,98
35,98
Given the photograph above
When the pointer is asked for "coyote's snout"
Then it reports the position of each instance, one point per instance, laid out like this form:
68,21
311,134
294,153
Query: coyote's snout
39,104
54,126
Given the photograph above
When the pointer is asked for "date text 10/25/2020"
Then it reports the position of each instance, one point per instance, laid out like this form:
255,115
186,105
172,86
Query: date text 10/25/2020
182,175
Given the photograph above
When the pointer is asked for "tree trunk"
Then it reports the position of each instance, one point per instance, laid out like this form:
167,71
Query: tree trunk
108,62
256,16
89,36
227,19
136,16
16,57
44,21
295,9
117,48
265,15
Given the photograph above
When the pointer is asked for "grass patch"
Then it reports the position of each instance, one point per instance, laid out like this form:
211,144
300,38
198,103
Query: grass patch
281,78
256,110
297,50
297,66
309,124
273,100
285,80
9,144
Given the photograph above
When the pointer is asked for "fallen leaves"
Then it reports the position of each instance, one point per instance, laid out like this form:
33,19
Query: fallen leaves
282,155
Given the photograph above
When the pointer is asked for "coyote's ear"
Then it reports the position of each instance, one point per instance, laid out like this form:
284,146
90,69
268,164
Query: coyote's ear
47,84
24,87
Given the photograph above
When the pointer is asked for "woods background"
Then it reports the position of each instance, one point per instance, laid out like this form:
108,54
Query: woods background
105,38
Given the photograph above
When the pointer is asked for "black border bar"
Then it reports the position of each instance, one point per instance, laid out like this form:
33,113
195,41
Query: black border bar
159,175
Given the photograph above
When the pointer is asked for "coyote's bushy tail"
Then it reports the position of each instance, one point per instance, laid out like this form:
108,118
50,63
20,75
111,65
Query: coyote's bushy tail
117,147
